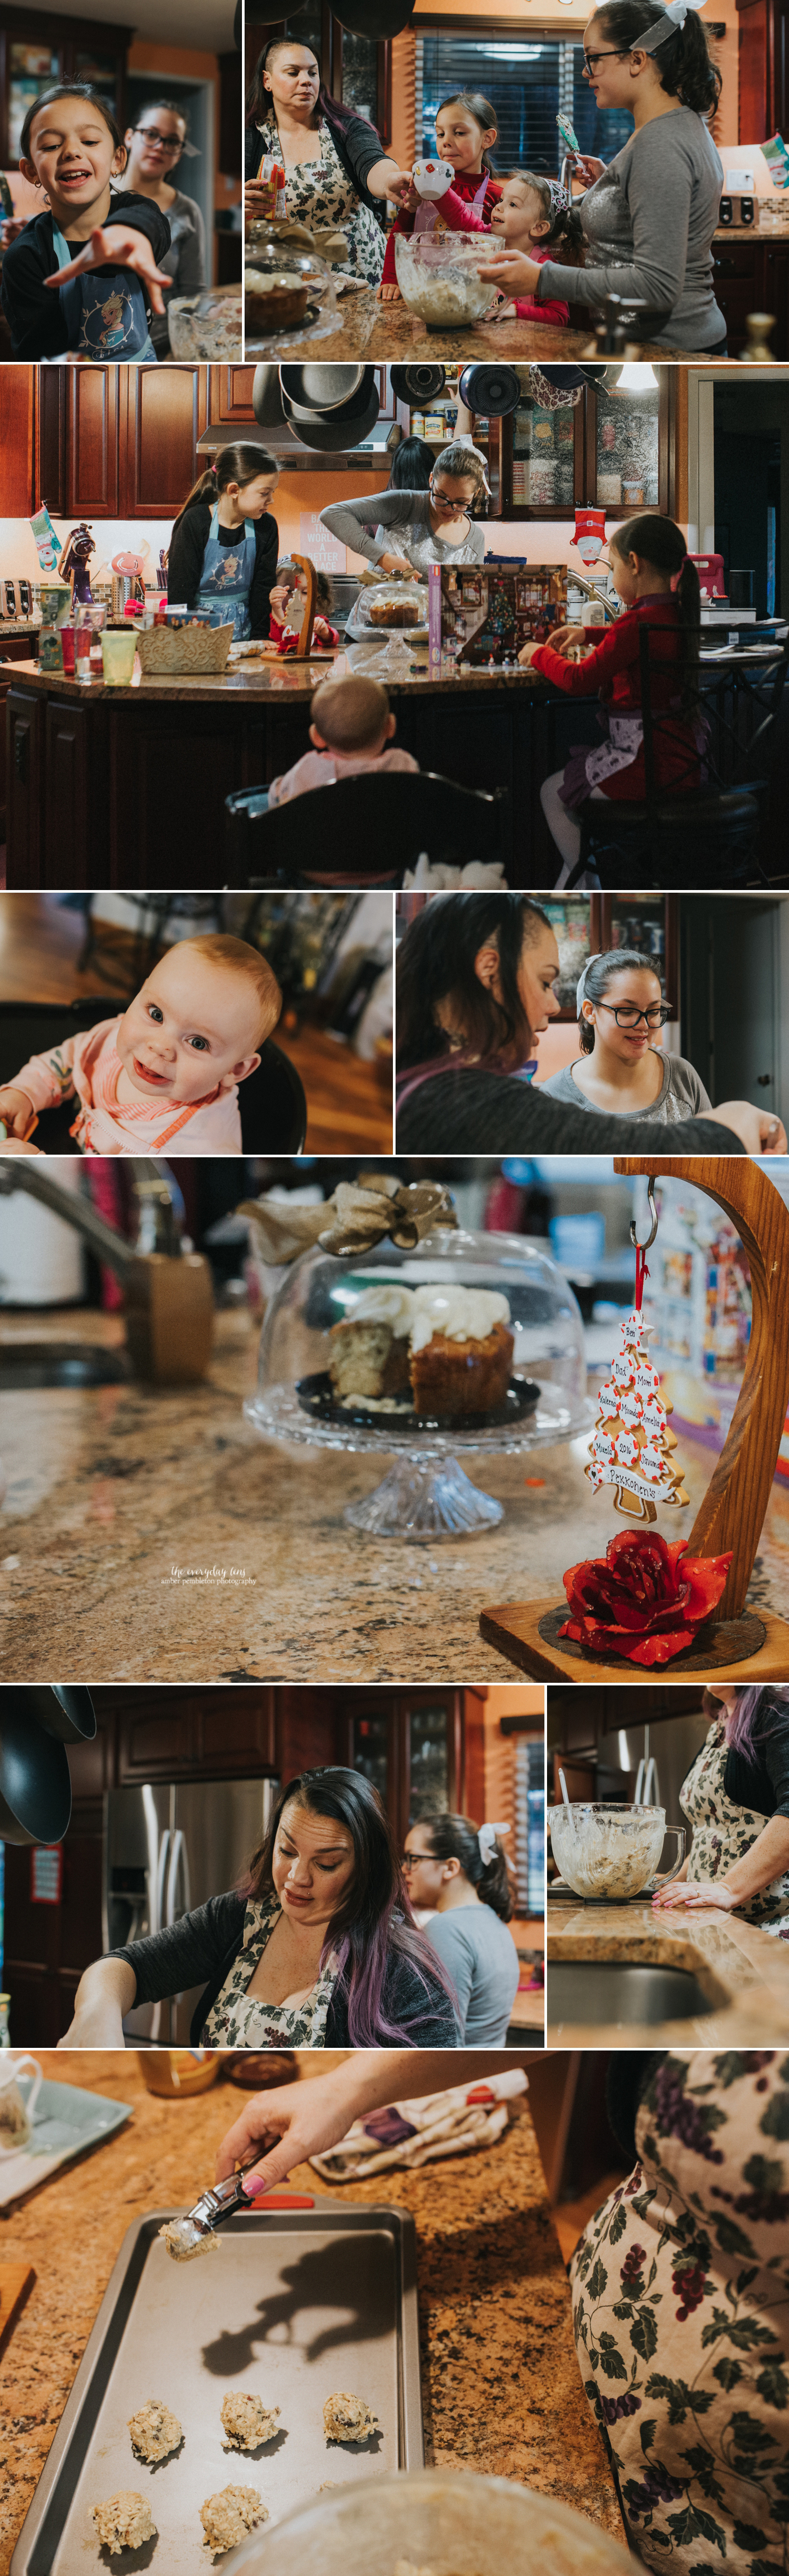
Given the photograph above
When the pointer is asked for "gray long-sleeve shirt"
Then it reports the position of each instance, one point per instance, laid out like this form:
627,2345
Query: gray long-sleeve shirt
649,221
184,262
370,523
482,1961
681,1095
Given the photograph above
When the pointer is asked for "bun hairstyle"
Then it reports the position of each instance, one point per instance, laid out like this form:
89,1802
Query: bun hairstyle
483,114
71,89
238,464
456,1838
466,464
374,1918
683,59
412,466
435,961
660,542
597,976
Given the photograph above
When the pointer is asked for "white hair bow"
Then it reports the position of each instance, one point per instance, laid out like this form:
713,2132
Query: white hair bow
580,988
487,1840
676,12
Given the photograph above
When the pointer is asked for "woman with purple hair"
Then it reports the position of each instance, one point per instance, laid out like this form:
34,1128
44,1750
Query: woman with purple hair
736,1796
317,1948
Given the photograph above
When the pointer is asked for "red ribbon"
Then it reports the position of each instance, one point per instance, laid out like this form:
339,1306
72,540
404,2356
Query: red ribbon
642,1273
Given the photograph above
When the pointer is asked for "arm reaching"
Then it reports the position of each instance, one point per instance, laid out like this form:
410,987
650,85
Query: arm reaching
296,2121
117,246
106,1991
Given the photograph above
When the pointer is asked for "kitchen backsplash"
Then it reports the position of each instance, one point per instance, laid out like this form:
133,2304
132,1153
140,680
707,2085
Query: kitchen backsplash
19,560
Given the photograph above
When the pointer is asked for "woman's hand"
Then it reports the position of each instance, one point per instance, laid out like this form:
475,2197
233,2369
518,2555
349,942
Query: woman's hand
388,294
116,248
759,1131
516,273
698,1891
395,563
386,179
257,197
16,1111
588,169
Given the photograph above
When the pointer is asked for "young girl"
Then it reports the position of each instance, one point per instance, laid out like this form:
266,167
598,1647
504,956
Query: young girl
659,585
465,134
622,1067
224,545
532,217
82,279
284,630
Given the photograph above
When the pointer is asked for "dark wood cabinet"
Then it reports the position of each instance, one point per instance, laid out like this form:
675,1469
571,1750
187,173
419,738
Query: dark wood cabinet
47,1946
38,47
165,410
576,463
24,812
751,275
191,1734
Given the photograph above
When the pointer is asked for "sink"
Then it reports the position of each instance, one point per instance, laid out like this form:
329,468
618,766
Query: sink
32,1364
619,1991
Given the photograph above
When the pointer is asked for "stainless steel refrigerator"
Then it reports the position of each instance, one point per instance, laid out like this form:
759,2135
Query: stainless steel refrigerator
660,1755
166,1850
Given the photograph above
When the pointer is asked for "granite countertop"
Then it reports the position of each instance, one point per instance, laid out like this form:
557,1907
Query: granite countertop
743,1968
752,232
369,330
269,679
501,2388
122,1498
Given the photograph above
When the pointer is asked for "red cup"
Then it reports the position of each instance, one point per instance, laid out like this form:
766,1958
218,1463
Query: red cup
67,634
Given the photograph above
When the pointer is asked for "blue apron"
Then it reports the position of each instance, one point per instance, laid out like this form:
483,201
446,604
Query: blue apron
226,578
104,310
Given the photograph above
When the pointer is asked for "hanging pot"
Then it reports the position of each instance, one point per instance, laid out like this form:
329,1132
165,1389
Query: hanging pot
345,427
417,385
35,1787
565,382
493,390
375,17
64,1710
266,398
319,389
266,15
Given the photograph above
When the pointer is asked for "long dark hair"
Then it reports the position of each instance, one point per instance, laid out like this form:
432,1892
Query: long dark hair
660,542
683,61
71,89
436,958
412,466
749,1721
456,1838
238,464
484,116
375,1918
259,99
599,974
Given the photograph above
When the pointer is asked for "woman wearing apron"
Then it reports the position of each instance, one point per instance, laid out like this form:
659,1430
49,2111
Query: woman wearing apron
223,549
317,1949
82,278
406,531
736,1796
336,172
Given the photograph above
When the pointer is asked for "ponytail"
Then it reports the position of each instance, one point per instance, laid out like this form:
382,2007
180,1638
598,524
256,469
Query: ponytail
483,114
683,60
660,542
456,1838
238,464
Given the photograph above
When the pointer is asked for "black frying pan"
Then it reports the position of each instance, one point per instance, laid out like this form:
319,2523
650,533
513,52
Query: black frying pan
35,1787
64,1710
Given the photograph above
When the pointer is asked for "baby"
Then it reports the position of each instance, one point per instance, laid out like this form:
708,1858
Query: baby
352,729
168,1067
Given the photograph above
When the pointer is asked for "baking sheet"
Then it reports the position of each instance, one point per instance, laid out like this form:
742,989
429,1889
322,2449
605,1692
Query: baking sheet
292,2309
66,2120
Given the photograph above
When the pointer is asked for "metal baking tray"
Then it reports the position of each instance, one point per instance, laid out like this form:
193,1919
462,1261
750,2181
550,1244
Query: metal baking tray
292,2307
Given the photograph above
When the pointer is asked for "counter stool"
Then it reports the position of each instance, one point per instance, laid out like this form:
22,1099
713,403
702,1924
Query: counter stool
272,1102
362,825
709,835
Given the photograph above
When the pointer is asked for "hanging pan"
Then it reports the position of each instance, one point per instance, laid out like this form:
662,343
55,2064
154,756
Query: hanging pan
35,1788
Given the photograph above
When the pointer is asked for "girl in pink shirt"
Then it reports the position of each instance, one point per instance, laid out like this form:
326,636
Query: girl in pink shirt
532,217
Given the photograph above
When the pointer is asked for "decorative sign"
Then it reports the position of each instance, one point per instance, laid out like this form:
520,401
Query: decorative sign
46,1874
632,1443
324,551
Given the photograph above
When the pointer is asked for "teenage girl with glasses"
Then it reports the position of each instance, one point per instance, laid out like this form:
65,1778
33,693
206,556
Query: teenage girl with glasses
622,1068
402,530
154,147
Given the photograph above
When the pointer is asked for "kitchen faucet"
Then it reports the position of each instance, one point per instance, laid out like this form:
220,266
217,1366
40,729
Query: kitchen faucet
168,1292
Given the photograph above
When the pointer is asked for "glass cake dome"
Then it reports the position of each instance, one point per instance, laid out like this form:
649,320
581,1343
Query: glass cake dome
467,1342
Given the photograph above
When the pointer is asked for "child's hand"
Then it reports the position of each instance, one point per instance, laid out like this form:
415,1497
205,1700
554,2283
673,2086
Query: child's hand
517,274
388,294
113,246
278,599
16,1111
563,637
527,653
502,312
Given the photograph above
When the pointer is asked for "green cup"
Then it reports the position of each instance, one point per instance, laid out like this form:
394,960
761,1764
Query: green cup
117,654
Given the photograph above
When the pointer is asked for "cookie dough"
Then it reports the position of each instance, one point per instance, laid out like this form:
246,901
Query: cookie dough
247,2422
183,2244
228,2516
154,2431
348,2419
124,2522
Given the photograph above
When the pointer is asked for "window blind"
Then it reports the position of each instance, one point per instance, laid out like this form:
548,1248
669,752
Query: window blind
526,79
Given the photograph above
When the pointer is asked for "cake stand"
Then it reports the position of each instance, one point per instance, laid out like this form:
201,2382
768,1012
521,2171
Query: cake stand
426,1494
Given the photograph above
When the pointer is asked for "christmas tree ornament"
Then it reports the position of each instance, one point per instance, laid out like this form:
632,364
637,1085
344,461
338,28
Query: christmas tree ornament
632,1445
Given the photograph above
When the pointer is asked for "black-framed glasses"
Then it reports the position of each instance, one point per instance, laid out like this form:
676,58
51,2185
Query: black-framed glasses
442,501
411,1860
627,1017
613,53
169,142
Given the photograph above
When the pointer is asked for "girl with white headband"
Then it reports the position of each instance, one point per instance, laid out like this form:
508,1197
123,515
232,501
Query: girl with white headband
622,1068
649,217
458,1880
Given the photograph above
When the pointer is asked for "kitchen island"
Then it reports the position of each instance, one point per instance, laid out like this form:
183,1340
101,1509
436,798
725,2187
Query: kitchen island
741,1970
370,330
137,1519
501,2388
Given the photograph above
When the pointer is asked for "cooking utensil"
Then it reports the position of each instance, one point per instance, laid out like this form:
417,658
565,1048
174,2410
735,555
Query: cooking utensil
608,1854
168,1295
344,427
267,398
323,389
68,2121
417,384
218,2203
35,1786
496,391
64,1710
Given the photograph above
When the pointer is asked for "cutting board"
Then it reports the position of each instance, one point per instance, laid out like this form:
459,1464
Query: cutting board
753,1648
16,2279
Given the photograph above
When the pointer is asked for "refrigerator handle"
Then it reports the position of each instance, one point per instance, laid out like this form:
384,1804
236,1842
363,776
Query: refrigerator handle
651,1785
161,1874
179,1859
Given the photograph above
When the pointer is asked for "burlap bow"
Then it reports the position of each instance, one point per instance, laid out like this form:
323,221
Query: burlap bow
358,1215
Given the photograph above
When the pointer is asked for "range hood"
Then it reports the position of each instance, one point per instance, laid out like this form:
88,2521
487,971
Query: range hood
290,452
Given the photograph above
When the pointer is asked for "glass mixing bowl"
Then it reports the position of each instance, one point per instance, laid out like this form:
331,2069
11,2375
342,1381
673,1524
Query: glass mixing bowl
206,325
609,1853
438,277
438,2519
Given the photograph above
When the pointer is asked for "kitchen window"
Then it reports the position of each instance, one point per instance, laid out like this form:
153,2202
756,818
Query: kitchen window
526,79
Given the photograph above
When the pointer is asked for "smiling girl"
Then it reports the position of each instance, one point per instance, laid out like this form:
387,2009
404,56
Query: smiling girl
622,1067
82,279
465,134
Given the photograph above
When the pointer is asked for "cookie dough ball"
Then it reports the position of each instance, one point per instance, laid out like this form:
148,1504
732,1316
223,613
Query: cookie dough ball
348,2419
228,2516
154,2431
247,2422
183,2243
124,2522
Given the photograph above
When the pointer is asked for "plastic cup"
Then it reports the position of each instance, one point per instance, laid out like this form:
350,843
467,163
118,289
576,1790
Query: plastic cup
67,641
117,656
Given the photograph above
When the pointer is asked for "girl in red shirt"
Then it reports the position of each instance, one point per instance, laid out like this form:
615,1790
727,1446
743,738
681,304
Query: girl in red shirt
465,134
659,585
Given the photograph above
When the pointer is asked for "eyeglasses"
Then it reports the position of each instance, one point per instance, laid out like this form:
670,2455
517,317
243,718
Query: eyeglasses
614,53
627,1017
441,501
411,1860
169,142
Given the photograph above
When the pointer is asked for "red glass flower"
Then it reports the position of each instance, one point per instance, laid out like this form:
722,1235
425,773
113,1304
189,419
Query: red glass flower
644,1599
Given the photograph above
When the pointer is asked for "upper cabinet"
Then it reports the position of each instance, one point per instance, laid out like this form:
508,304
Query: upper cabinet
37,48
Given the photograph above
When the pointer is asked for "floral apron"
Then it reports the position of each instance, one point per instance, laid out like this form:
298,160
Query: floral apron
227,575
104,310
241,2020
319,194
680,2289
722,1833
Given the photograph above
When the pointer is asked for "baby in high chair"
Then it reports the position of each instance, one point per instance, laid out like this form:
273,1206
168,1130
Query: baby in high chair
168,1067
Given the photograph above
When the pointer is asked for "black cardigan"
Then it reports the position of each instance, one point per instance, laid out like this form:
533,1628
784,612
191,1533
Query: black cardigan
761,1780
472,1111
32,309
357,146
185,560
206,1944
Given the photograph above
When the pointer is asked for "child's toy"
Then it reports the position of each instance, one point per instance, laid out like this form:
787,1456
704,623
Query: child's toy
483,615
568,134
47,548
